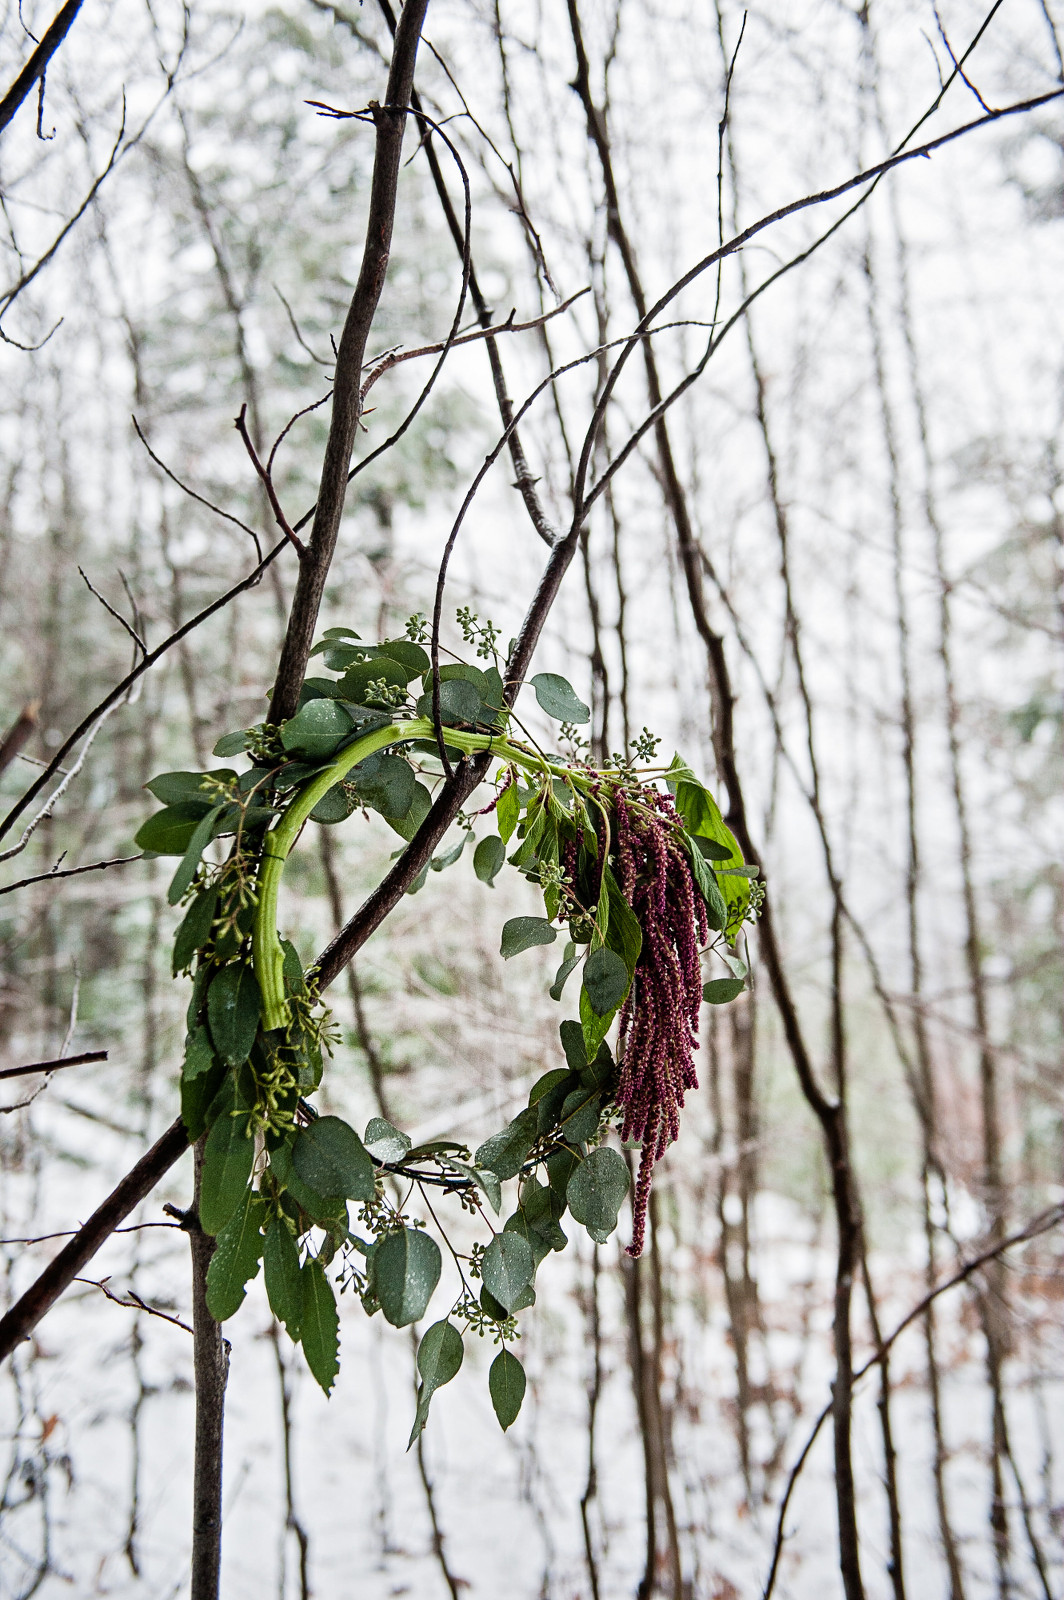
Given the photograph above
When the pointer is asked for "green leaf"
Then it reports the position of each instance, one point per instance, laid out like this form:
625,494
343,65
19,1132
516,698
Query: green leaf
507,1267
169,832
506,1385
711,849
409,655
521,933
330,1157
439,1357
703,820
606,980
284,1284
504,1153
579,1116
228,1157
573,1045
406,1271
199,1056
569,964
236,1258
320,1325
718,991
623,932
716,905
596,1191
233,744
407,825
201,838
354,685
736,963
488,859
233,1005
508,810
386,783
197,1095
318,730
194,929
337,804
173,788
384,1141
558,699
460,704
448,859
595,1028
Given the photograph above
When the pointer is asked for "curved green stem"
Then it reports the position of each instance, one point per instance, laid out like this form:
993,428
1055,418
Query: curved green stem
267,955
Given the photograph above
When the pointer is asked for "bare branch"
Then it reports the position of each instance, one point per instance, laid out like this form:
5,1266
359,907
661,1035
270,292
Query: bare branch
53,1066
37,65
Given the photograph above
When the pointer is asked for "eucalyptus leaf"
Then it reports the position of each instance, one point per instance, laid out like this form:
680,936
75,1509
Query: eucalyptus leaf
173,788
506,1385
409,655
579,1116
407,1269
718,991
507,1267
236,1258
320,1325
330,1157
597,1189
439,1357
522,933
233,744
337,804
558,699
407,825
595,1027
488,859
460,704
199,1055
573,1045
384,1141
448,859
318,730
606,980
504,1153
570,962
356,681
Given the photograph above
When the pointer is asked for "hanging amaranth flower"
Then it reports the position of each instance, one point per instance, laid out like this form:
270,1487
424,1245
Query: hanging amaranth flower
659,1020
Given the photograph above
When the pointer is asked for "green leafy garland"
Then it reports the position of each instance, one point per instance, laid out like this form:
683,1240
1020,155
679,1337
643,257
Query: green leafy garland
645,880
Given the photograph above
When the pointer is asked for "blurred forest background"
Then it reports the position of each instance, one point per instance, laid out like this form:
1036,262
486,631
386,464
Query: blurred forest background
862,497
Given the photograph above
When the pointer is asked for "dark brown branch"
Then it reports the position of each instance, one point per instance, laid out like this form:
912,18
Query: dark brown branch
18,1323
37,65
69,872
193,495
134,1303
53,1066
390,120
267,483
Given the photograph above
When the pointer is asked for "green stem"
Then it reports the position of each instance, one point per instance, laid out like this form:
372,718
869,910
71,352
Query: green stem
267,955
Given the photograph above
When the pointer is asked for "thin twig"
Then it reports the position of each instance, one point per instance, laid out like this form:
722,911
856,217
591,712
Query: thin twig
54,1066
267,483
68,872
119,618
184,487
134,1303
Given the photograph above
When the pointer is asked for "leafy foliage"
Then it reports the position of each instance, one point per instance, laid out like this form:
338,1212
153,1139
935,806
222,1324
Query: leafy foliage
258,1035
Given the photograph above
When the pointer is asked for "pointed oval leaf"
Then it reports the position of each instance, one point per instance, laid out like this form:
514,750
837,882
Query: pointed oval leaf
504,1152
331,1158
508,809
205,831
506,1385
596,1190
318,729
228,1157
169,832
521,933
488,858
558,699
236,1258
284,1285
233,1005
194,929
384,1141
507,1267
319,1325
440,1354
406,1270
720,990
606,980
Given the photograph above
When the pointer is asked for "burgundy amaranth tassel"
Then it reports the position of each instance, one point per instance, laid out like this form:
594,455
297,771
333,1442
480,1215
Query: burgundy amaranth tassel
659,1020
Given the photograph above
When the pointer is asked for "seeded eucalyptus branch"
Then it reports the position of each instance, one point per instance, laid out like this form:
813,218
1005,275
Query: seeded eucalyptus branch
636,867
